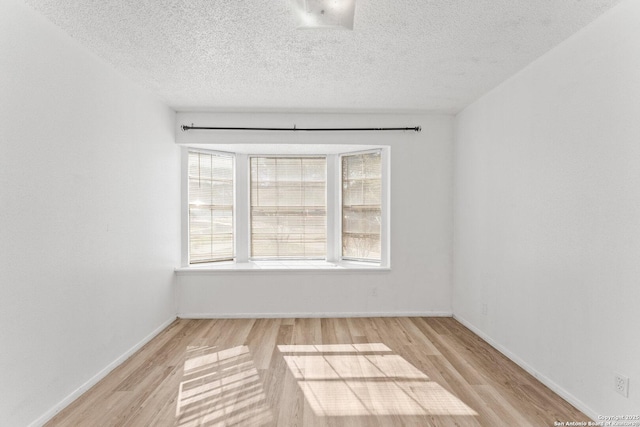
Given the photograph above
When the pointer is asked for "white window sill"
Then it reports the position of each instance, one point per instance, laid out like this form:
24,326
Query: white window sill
311,266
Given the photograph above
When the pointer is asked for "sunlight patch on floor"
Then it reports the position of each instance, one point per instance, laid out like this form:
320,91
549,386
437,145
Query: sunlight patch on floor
345,380
220,387
335,348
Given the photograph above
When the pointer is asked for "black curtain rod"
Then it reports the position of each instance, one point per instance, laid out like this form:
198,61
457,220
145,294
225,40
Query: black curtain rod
296,129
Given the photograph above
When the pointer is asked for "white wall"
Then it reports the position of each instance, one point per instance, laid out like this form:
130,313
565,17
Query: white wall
89,224
421,214
547,214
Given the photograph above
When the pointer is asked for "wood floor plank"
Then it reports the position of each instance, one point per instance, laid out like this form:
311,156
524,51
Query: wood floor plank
317,372
442,342
450,380
505,411
371,330
334,332
290,413
417,336
514,383
356,329
261,340
274,376
307,331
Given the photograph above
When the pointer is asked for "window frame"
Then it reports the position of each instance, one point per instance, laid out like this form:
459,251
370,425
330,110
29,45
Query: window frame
242,206
383,202
186,232
326,190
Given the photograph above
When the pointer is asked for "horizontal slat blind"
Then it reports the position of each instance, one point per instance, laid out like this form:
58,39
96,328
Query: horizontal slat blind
210,207
288,207
361,206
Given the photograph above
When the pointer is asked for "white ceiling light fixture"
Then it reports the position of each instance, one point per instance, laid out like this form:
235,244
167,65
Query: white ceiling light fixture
326,13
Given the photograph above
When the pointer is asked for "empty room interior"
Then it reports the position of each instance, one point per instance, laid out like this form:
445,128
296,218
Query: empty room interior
320,212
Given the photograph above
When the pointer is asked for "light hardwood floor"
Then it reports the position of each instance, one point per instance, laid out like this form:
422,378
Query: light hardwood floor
318,372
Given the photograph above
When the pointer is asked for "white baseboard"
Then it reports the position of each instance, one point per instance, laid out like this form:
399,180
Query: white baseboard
313,315
524,365
97,377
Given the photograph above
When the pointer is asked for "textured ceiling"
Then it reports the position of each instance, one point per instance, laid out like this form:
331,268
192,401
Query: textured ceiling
247,55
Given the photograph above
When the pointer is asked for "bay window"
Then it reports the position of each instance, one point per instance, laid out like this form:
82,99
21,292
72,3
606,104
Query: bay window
324,204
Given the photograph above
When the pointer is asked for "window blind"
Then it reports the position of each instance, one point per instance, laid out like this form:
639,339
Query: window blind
361,206
288,207
210,207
